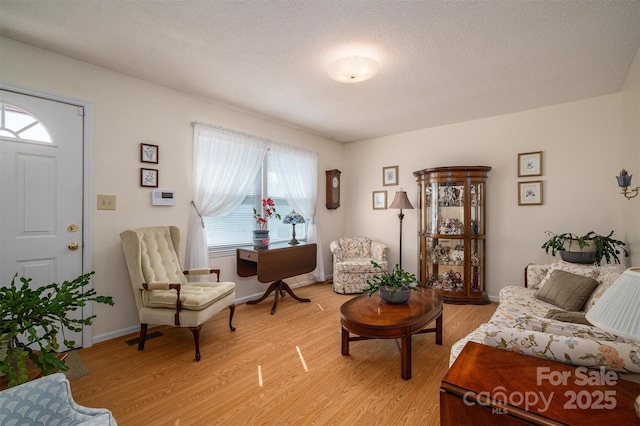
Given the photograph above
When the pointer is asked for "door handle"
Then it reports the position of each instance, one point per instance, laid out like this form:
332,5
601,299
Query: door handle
73,246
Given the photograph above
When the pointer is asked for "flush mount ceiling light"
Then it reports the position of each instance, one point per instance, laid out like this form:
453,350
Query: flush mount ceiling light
353,69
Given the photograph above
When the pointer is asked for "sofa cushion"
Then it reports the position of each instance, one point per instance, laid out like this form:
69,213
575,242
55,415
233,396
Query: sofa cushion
535,274
358,266
356,247
584,351
607,276
560,328
566,290
590,271
194,296
567,316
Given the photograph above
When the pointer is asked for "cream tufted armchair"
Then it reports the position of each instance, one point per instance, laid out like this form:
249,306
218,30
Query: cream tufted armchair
352,262
163,295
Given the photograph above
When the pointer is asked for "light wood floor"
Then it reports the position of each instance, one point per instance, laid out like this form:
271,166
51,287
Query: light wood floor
164,385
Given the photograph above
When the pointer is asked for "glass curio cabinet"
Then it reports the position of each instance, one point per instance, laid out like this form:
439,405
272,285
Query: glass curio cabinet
451,232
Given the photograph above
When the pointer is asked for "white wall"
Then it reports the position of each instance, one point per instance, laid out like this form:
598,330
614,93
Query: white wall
580,142
630,157
126,112
581,155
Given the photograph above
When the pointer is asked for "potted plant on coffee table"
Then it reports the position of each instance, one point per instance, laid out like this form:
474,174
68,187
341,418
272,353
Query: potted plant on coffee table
588,248
394,286
33,319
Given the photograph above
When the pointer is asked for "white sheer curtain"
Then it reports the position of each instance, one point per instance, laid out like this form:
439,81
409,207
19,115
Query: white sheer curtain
225,163
298,168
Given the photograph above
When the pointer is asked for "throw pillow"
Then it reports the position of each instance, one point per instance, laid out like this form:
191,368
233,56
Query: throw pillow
608,275
590,271
567,316
566,290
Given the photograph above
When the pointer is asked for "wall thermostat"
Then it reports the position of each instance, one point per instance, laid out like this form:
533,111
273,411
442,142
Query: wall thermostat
163,197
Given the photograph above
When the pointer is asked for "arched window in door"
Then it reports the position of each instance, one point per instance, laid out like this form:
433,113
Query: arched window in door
16,123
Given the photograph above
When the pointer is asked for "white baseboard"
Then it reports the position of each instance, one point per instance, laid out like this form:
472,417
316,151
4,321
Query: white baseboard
134,329
114,334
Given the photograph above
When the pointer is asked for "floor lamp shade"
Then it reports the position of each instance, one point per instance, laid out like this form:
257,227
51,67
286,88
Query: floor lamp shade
618,309
401,201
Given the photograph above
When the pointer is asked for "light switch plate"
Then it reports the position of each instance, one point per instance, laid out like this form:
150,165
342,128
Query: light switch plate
106,202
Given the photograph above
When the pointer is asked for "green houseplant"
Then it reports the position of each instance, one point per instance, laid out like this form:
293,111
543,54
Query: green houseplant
32,318
390,283
591,247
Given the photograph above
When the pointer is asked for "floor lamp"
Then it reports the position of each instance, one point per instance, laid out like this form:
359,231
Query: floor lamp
400,201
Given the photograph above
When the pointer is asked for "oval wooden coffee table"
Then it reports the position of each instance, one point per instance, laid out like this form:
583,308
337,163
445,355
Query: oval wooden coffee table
372,318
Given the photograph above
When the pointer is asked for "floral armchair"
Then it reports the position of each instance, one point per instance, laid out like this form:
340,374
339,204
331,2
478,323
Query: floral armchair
352,262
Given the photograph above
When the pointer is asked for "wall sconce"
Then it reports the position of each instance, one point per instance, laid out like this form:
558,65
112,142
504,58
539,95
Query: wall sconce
624,181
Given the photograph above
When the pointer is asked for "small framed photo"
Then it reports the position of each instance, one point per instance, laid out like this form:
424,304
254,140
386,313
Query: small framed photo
389,175
530,164
379,200
530,193
149,153
149,177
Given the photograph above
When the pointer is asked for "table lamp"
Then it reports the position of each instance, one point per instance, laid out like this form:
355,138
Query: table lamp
617,310
293,218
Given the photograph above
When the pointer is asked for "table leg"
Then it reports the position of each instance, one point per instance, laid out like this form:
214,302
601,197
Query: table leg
406,357
439,330
273,287
286,288
345,341
275,300
279,287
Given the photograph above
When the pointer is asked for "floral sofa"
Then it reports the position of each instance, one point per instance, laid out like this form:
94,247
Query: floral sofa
352,262
519,325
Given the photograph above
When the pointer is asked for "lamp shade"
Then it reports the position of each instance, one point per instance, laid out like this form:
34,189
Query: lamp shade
624,179
617,311
400,201
293,218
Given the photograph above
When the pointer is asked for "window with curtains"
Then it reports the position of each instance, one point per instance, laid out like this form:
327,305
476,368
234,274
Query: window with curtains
234,230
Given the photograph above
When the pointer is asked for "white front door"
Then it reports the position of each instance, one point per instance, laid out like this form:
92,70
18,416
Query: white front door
41,191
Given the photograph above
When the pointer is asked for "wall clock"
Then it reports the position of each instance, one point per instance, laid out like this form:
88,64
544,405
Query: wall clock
333,188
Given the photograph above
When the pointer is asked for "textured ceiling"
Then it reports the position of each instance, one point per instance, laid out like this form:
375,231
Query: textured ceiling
440,61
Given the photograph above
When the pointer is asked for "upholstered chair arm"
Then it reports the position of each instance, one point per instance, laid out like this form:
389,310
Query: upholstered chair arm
165,285
157,285
336,250
379,251
203,271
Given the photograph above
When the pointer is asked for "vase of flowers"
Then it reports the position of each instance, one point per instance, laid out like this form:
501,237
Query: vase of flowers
261,235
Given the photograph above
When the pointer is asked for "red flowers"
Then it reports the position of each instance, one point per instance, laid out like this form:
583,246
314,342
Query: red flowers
268,211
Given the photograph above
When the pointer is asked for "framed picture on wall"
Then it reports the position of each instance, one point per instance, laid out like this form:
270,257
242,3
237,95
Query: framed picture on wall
379,200
389,175
530,164
149,153
149,177
530,193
